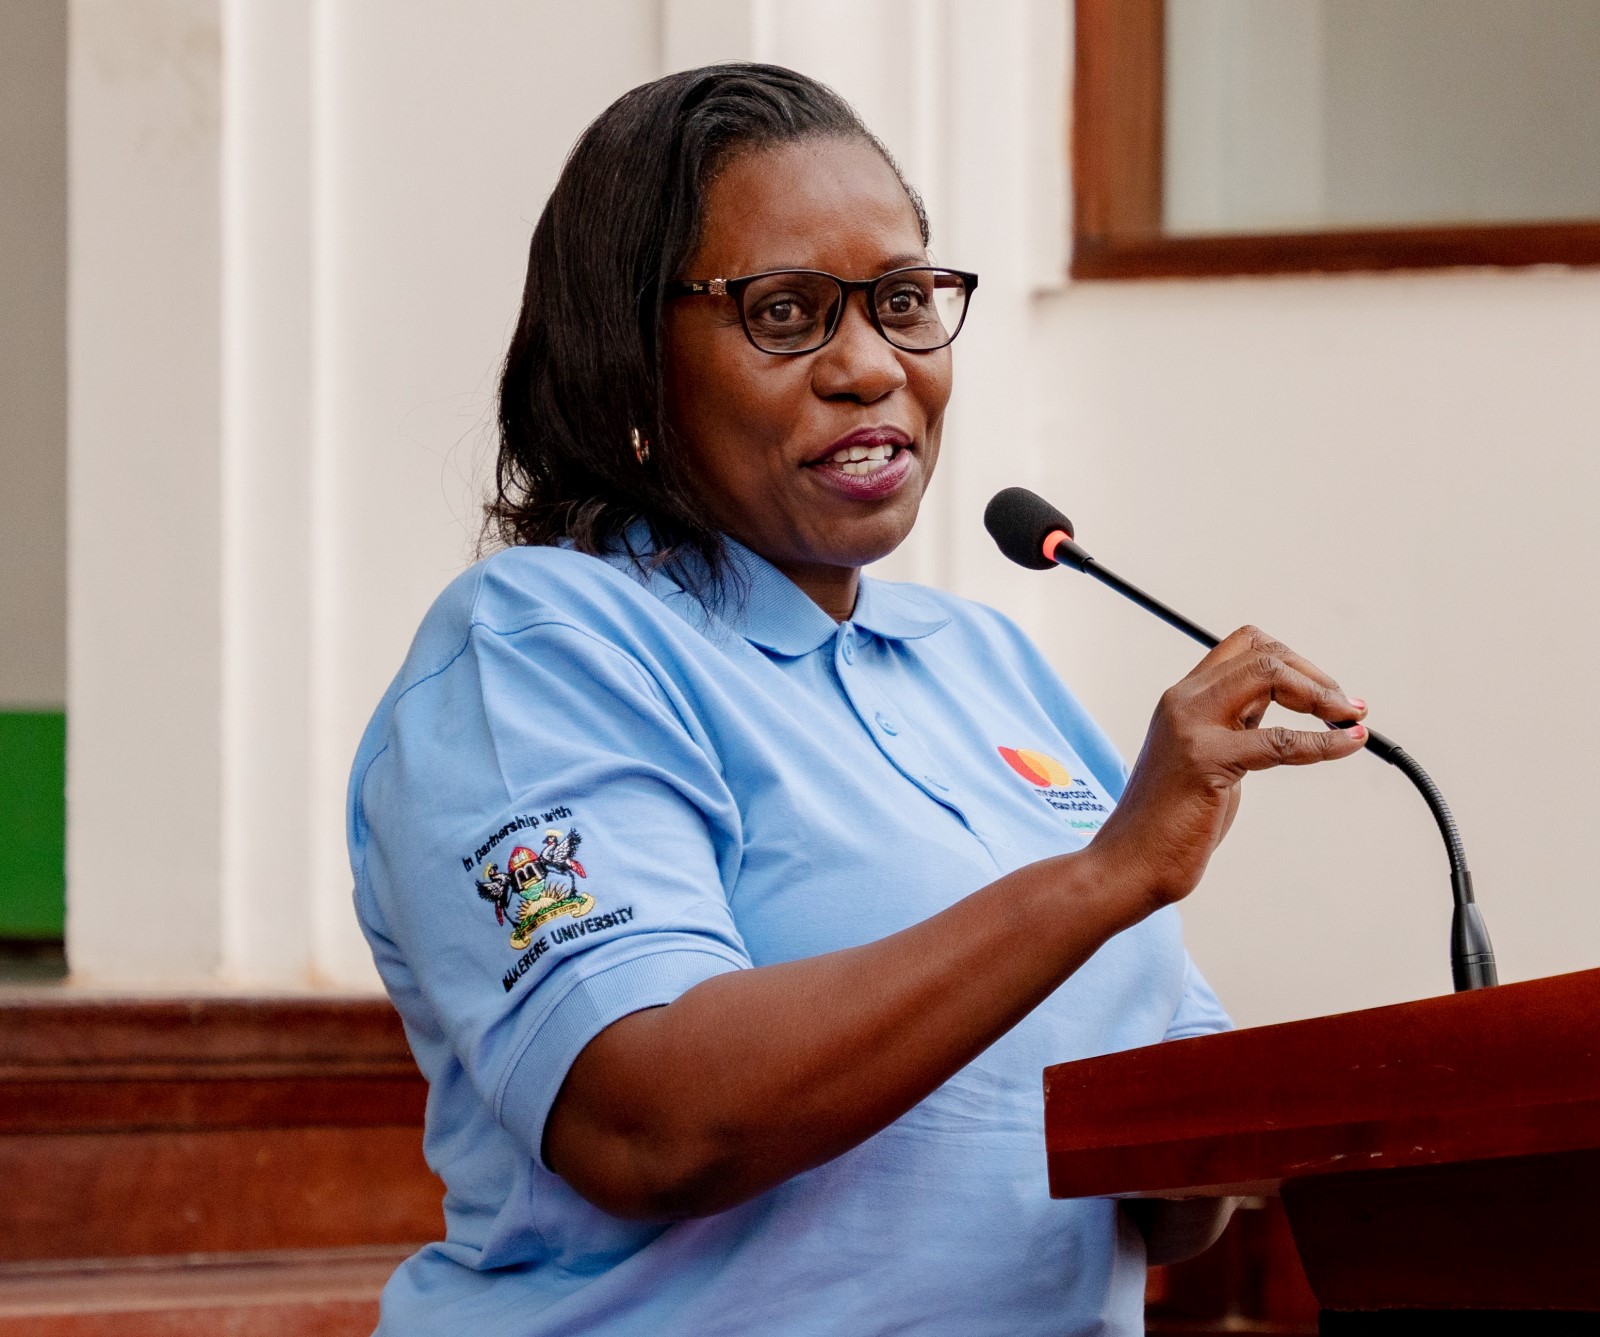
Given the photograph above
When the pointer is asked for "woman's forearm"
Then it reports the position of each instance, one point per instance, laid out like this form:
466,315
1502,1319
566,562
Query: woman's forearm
756,1075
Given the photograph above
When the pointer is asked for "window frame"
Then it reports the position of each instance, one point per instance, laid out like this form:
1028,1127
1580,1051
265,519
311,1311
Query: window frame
1117,149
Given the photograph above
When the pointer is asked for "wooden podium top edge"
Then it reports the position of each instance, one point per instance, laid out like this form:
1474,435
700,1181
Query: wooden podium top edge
1509,1071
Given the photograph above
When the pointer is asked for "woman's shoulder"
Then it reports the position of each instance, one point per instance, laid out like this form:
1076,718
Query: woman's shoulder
507,619
520,586
518,589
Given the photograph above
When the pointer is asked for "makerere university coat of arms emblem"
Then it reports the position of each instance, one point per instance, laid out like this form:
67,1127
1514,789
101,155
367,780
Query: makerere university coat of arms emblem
544,883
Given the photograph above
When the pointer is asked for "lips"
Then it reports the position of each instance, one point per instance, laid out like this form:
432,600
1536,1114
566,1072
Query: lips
867,464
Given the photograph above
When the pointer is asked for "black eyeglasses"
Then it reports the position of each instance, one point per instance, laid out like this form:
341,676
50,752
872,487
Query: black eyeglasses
794,311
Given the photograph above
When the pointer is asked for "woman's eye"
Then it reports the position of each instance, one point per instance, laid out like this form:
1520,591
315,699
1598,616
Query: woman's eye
903,303
780,311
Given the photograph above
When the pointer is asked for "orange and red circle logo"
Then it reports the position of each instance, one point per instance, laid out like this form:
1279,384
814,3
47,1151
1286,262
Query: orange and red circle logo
1036,768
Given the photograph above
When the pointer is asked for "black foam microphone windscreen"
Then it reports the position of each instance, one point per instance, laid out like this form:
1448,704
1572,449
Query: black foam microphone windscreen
1019,521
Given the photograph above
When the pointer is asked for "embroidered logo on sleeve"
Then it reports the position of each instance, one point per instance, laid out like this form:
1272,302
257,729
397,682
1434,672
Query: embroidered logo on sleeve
1079,799
537,885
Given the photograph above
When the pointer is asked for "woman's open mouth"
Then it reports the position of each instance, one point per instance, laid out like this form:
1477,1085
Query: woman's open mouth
867,465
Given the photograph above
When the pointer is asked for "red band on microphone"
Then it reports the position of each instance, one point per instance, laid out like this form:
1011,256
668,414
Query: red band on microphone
1054,537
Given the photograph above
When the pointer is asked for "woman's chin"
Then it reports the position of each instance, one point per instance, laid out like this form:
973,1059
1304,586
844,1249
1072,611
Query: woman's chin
868,538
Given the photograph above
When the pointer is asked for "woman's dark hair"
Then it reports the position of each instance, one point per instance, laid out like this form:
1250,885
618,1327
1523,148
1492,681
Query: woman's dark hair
585,366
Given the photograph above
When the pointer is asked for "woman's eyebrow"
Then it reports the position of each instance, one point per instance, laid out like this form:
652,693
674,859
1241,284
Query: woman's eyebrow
902,261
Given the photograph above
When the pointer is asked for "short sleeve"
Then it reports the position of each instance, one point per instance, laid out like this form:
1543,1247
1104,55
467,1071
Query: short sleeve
1199,1011
543,846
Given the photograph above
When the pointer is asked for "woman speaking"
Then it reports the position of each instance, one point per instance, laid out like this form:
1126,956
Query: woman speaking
734,901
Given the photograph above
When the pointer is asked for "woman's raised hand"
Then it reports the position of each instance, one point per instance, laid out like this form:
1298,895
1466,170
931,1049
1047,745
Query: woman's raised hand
1204,737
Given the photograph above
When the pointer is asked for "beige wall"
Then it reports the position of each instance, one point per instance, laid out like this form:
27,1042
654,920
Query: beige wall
1394,472
33,354
1398,475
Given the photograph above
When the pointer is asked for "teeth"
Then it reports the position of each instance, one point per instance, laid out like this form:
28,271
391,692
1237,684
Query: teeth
860,454
865,466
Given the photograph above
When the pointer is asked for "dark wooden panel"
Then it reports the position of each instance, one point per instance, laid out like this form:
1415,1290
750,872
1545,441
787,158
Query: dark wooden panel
96,1195
1130,255
1521,1233
1459,1323
1117,119
1493,1073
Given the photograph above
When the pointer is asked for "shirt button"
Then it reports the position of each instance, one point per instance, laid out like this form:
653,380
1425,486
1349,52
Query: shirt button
887,725
848,649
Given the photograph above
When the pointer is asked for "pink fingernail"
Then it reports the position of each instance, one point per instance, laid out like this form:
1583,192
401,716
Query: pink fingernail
1357,702
1358,732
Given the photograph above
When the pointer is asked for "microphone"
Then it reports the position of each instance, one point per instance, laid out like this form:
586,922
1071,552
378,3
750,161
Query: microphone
1033,533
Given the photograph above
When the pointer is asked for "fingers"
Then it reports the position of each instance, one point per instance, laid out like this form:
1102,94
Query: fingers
1250,670
1262,749
1243,675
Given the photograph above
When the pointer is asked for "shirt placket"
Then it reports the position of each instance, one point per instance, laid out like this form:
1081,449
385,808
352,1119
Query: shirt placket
896,738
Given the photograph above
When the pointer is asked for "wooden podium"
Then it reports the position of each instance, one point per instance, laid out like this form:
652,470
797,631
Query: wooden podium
1439,1161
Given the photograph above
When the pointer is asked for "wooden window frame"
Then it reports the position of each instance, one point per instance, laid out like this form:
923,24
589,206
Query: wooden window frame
1117,136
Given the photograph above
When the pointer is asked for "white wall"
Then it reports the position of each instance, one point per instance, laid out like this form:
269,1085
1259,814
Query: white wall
1397,475
1381,469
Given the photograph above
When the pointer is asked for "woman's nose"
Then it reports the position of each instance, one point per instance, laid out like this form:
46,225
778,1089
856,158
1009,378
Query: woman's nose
858,362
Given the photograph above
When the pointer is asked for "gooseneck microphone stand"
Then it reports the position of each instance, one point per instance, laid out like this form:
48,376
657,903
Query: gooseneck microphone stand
1471,956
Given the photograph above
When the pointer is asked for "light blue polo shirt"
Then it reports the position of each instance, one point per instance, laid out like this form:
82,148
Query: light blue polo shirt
583,795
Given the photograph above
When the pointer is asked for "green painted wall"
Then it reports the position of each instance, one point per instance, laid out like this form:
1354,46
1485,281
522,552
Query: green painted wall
33,823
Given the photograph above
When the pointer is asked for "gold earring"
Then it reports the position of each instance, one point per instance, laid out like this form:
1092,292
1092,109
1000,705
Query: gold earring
641,446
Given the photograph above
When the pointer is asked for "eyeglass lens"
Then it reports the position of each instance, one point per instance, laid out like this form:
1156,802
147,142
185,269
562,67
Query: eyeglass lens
795,311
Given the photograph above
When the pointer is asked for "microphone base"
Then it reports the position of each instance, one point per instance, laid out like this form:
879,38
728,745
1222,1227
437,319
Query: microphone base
1471,957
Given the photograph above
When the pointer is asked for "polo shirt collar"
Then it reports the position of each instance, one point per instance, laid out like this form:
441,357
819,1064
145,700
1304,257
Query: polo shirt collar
779,616
766,608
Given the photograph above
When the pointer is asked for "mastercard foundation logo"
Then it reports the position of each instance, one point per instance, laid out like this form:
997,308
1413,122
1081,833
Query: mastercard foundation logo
1036,768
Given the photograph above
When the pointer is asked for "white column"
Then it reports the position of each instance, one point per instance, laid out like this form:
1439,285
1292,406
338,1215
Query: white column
144,417
298,237
266,739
